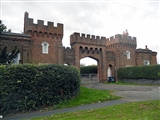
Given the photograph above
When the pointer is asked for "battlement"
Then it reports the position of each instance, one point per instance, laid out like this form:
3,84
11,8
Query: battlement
121,39
44,35
87,38
40,27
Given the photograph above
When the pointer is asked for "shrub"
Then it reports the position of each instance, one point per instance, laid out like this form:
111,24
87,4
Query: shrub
30,87
140,72
88,69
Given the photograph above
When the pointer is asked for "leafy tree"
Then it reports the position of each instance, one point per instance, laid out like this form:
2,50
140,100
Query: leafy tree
3,28
7,58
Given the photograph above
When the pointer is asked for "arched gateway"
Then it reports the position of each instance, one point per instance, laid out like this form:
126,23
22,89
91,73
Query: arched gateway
89,46
43,44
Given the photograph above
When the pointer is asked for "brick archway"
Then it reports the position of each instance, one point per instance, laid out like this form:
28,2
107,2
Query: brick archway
93,53
90,47
88,60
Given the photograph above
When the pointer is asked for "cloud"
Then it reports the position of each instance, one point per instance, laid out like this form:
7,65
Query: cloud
97,18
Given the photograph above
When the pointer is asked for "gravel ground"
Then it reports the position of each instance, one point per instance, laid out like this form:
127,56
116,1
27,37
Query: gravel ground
128,92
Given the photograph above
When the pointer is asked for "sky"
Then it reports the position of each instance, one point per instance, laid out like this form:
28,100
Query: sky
96,17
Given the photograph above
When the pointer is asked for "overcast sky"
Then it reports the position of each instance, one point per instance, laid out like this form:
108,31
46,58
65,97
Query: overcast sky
102,17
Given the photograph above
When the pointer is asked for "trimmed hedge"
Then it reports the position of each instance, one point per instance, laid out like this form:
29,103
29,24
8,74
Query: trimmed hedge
140,72
30,87
88,69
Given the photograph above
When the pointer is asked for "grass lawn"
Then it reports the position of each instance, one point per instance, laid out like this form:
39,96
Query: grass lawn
87,96
146,110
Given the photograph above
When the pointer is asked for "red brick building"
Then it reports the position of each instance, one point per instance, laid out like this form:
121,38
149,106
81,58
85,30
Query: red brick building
43,44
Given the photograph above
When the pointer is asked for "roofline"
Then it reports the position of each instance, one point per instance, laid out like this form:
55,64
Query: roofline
16,34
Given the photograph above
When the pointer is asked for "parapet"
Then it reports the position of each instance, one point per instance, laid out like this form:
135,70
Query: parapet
40,27
143,51
87,39
118,38
15,36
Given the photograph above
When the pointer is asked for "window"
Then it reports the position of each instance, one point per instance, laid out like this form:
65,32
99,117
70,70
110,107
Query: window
45,47
146,62
128,54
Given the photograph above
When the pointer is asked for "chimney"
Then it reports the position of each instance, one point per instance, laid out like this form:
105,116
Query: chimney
146,47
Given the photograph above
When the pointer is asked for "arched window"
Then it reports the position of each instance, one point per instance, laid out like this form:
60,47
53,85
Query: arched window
128,54
45,46
146,62
109,70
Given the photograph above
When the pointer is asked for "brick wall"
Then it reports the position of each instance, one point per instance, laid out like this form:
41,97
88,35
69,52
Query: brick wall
41,33
22,41
145,55
108,52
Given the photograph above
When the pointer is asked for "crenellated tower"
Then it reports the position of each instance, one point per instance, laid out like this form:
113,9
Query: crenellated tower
46,43
121,41
85,45
124,47
40,29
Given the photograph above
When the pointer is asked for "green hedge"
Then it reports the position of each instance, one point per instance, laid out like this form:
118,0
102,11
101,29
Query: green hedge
30,87
88,69
140,72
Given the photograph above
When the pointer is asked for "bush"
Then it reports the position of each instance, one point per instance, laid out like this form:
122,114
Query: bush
30,87
88,69
140,72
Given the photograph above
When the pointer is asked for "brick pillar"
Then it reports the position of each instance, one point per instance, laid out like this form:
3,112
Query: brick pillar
60,50
99,70
60,60
60,54
24,54
103,65
77,57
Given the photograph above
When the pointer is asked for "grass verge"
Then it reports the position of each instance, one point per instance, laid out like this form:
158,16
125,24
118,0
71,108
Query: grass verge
146,110
88,96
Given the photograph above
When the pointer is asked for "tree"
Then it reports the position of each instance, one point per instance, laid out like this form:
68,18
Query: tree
82,64
8,58
5,57
3,28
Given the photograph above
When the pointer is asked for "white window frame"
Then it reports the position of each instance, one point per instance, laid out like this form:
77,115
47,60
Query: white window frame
146,62
128,54
45,46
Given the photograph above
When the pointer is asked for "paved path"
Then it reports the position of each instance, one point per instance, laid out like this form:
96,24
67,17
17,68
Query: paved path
128,92
84,107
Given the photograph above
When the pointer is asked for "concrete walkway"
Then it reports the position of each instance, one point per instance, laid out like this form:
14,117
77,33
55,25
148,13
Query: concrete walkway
47,113
129,93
